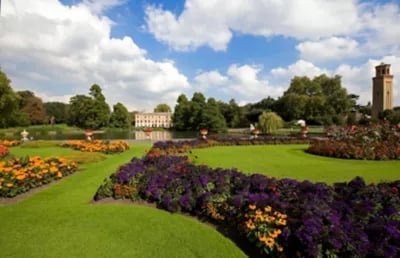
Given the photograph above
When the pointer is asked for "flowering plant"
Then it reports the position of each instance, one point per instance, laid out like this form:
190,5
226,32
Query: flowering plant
263,226
22,174
97,146
10,143
374,142
3,151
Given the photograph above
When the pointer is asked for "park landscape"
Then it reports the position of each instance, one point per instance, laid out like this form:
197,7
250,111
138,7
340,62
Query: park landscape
259,197
198,128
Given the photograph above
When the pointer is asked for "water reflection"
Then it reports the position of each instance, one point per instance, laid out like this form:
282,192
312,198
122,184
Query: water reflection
110,134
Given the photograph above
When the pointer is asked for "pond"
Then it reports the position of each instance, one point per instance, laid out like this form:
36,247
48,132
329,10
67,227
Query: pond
104,135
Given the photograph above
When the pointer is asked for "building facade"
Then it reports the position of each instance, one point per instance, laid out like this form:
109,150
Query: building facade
382,90
163,120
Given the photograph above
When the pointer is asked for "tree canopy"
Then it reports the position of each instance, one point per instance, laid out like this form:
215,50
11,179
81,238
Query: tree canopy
321,100
162,108
120,117
197,113
89,112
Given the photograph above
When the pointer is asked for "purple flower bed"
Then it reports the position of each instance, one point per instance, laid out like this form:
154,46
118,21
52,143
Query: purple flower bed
311,219
374,142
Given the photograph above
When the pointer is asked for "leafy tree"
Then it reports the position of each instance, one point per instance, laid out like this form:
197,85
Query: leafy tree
89,112
211,118
80,107
269,122
162,108
321,100
181,115
57,110
100,111
194,114
120,117
34,110
9,103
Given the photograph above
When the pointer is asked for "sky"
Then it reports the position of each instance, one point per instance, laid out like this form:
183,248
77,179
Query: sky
145,52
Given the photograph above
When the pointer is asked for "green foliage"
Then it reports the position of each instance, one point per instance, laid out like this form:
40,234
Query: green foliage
321,100
120,117
33,108
39,144
58,110
196,114
89,112
269,122
162,108
9,103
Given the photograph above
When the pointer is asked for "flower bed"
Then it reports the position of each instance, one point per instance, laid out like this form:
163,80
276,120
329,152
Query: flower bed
179,147
375,142
97,146
22,174
10,143
3,151
281,217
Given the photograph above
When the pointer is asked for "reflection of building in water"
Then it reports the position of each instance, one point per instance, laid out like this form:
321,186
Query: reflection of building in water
160,119
154,136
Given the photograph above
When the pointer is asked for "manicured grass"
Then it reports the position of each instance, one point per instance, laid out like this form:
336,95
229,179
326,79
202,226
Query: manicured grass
59,221
290,161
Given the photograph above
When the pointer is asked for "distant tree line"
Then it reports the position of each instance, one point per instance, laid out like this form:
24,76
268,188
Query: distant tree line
23,108
319,101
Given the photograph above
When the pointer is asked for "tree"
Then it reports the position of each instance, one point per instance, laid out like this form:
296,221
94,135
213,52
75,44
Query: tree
269,122
120,117
9,103
100,112
89,112
34,110
162,108
211,118
321,100
194,114
57,110
181,115
79,111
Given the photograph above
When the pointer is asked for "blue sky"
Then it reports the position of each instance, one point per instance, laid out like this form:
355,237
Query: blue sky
144,52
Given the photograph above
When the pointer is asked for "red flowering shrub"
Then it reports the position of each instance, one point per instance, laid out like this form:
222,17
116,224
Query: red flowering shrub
3,151
375,142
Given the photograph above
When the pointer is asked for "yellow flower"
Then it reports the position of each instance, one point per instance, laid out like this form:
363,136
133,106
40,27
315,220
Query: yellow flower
262,238
252,206
269,242
280,248
250,225
267,209
9,185
281,222
258,212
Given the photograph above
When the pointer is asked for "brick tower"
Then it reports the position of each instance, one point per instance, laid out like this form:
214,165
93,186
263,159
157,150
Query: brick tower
382,90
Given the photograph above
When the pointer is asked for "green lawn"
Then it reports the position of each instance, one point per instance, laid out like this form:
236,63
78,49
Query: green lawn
290,161
59,221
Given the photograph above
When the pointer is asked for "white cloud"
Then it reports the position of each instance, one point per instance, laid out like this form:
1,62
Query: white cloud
99,6
212,22
356,79
242,83
300,68
56,50
333,48
204,80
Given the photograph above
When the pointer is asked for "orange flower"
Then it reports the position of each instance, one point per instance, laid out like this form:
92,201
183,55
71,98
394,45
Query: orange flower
269,242
21,177
9,185
252,206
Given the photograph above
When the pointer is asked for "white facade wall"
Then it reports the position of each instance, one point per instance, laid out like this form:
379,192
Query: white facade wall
163,120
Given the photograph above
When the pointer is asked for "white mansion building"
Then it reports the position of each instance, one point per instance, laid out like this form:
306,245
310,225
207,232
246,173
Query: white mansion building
163,120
